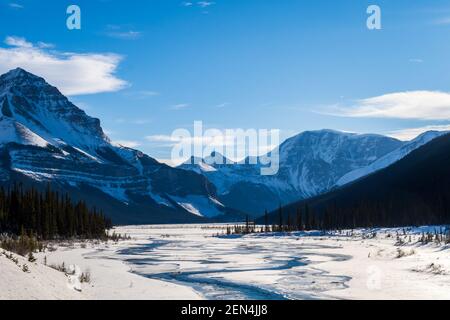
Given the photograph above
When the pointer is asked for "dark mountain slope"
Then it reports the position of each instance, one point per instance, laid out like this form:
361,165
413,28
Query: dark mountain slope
412,191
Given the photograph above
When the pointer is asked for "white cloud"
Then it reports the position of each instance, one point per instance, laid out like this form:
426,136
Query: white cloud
411,133
45,45
18,42
72,73
423,105
16,5
200,4
205,4
127,143
416,60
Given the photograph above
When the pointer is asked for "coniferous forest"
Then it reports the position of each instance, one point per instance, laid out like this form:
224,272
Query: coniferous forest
48,215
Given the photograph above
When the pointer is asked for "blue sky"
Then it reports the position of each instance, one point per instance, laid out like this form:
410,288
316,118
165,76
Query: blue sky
146,68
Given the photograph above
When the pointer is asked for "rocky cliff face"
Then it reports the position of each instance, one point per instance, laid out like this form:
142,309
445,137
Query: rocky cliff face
44,138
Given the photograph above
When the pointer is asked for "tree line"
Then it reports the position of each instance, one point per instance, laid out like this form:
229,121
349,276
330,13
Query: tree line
49,215
386,212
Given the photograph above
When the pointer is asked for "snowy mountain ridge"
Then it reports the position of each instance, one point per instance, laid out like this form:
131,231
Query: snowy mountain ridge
390,158
46,138
310,163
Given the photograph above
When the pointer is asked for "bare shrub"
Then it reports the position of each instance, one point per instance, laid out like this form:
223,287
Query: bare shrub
85,277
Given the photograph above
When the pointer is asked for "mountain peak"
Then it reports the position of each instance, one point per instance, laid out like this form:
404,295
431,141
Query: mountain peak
20,78
41,107
19,73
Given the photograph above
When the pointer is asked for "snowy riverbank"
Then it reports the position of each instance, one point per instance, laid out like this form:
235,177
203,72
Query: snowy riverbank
190,262
111,278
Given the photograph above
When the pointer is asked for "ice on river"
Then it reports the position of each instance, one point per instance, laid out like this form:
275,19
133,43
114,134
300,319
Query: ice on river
295,266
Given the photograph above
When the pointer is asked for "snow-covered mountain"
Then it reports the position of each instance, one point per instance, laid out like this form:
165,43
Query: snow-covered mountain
44,138
310,163
390,158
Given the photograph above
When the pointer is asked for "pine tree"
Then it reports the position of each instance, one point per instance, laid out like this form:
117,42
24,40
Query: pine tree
280,220
266,221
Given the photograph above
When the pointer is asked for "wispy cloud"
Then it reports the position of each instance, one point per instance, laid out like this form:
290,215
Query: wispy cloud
416,60
218,141
142,94
199,4
16,5
422,105
163,138
180,106
73,73
125,35
222,105
45,45
411,133
230,145
205,4
119,32
18,42
148,93
442,21
141,121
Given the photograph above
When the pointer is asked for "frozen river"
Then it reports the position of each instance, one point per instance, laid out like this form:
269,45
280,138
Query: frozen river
253,267
199,262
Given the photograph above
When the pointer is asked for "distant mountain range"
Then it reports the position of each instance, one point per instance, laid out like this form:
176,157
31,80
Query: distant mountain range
415,190
46,139
311,163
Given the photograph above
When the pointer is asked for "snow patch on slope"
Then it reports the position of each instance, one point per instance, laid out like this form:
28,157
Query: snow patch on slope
12,131
199,205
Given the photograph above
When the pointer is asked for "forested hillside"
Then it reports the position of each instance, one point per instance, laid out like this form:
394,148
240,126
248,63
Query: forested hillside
48,215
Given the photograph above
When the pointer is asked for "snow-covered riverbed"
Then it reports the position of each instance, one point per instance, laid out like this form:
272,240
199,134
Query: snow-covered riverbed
296,266
192,262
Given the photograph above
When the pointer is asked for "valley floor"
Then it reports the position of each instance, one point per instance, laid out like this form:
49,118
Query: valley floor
192,262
